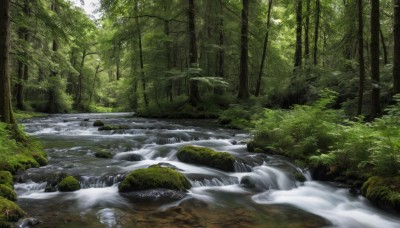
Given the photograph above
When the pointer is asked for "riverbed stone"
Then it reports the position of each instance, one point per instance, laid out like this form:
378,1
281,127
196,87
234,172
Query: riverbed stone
154,177
69,184
98,123
113,128
207,157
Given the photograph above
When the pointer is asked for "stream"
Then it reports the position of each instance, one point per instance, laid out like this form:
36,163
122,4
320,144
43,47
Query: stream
262,192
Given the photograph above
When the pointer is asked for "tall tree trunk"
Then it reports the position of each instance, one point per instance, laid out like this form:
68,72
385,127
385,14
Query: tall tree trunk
375,101
244,54
142,75
168,53
51,105
396,48
316,31
299,19
194,95
264,54
220,57
361,63
6,114
384,49
78,99
307,32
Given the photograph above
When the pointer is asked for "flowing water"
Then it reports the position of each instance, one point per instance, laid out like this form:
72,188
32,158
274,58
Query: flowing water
263,192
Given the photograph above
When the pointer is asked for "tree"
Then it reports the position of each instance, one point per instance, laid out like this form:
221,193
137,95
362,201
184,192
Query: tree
316,32
264,54
6,114
299,20
375,25
361,63
194,96
244,55
396,47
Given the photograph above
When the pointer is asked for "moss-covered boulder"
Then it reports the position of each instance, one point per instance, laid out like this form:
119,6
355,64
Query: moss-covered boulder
383,192
207,157
103,154
40,159
98,123
69,184
6,178
113,128
153,178
9,211
7,192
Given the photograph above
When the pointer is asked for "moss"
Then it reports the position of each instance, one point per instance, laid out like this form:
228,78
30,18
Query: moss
40,159
384,192
69,184
113,128
7,192
9,211
207,157
299,177
152,178
98,123
6,178
103,154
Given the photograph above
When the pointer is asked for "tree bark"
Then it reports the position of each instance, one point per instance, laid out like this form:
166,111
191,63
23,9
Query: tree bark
375,101
384,49
142,74
307,32
244,55
264,54
6,114
396,48
316,31
361,62
299,19
80,81
194,95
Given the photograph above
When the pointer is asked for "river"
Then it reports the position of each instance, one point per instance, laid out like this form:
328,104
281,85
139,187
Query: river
262,192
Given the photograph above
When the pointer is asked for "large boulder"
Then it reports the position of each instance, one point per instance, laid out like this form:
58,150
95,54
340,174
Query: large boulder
69,184
154,177
207,157
9,211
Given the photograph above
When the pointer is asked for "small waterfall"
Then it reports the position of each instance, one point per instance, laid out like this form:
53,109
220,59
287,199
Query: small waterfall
29,187
214,182
242,167
100,182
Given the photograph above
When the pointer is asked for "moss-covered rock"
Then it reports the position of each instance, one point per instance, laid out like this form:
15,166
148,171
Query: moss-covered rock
113,128
299,177
207,157
152,178
6,178
7,192
40,159
9,211
383,192
103,154
69,184
98,123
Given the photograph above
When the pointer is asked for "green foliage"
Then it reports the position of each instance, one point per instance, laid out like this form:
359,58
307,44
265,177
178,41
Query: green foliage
7,192
237,117
9,211
383,191
69,184
152,178
207,157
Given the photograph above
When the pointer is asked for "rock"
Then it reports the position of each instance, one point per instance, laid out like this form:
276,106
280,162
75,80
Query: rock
103,154
98,123
207,157
166,165
252,146
29,222
40,159
233,142
9,211
128,157
85,120
113,128
154,177
247,182
7,192
155,195
299,177
69,184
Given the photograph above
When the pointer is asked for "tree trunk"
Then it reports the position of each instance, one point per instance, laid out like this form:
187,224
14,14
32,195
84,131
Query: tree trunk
264,54
6,114
244,55
51,105
307,32
316,31
384,49
360,57
299,19
220,57
194,95
396,48
375,101
80,81
142,75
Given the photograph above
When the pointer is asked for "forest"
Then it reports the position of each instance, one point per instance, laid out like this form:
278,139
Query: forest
310,82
